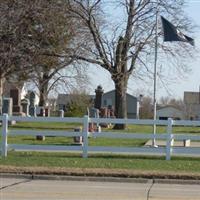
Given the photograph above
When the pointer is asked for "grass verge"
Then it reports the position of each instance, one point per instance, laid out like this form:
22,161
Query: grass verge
102,161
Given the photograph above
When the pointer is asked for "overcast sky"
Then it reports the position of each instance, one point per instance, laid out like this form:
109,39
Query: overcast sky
176,90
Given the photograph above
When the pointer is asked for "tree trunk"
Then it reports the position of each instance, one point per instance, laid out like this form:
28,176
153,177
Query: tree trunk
43,90
120,100
42,97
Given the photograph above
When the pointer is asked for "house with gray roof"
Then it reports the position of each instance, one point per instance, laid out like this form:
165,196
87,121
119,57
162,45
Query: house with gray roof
108,99
63,100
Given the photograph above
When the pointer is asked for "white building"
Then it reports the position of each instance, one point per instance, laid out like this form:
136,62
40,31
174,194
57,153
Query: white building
169,112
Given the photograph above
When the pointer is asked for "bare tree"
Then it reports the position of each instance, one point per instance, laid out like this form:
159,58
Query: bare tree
58,79
30,35
128,47
146,108
13,57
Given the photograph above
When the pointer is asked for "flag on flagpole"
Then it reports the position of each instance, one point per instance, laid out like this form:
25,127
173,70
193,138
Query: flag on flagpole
171,33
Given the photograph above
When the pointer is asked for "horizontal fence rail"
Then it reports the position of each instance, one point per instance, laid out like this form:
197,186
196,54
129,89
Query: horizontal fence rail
44,147
168,137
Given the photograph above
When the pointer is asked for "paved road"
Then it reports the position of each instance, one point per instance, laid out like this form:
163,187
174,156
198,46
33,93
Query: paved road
26,189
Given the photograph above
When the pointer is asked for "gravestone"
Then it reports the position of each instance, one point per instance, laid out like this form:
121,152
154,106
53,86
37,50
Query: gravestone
98,97
7,106
40,111
104,114
32,109
32,97
15,95
25,103
47,112
94,113
61,113
78,139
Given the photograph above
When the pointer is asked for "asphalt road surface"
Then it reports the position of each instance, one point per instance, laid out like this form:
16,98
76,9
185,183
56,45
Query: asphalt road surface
26,189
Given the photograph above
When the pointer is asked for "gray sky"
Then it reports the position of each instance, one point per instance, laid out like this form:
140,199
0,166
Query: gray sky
175,90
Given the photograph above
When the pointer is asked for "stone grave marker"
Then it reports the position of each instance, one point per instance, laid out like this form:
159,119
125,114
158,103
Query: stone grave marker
98,98
32,109
15,95
7,106
25,103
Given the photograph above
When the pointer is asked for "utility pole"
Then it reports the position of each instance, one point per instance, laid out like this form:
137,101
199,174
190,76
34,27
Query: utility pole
155,77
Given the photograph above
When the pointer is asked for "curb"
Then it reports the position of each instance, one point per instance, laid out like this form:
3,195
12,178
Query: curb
100,179
74,178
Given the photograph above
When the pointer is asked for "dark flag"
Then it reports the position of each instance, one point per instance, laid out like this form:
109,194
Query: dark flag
171,33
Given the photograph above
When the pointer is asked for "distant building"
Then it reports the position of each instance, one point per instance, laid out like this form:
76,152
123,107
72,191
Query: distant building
192,104
169,111
108,99
51,103
63,100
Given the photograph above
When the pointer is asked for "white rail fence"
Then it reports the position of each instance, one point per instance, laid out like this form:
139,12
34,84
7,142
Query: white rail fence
168,150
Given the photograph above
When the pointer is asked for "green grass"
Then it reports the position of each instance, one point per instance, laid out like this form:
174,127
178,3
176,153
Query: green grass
69,141
104,161
45,125
92,141
71,160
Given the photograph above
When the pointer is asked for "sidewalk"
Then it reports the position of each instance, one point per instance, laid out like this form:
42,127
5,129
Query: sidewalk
32,189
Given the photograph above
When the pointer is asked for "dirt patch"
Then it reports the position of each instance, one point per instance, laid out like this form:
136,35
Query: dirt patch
125,173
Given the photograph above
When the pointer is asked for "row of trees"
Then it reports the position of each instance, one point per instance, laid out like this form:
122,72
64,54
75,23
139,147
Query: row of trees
41,37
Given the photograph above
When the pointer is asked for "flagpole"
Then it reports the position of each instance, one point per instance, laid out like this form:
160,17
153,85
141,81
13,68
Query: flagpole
155,77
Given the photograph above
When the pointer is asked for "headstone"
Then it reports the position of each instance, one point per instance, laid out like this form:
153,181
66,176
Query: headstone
78,139
32,98
94,113
25,106
98,97
112,113
32,109
15,95
61,113
7,106
104,114
40,111
47,112
40,137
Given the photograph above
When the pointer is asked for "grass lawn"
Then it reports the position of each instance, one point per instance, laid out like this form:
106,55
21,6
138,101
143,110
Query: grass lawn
106,161
92,141
44,125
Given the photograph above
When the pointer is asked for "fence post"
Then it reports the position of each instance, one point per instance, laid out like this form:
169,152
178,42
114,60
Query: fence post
169,141
85,136
4,135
